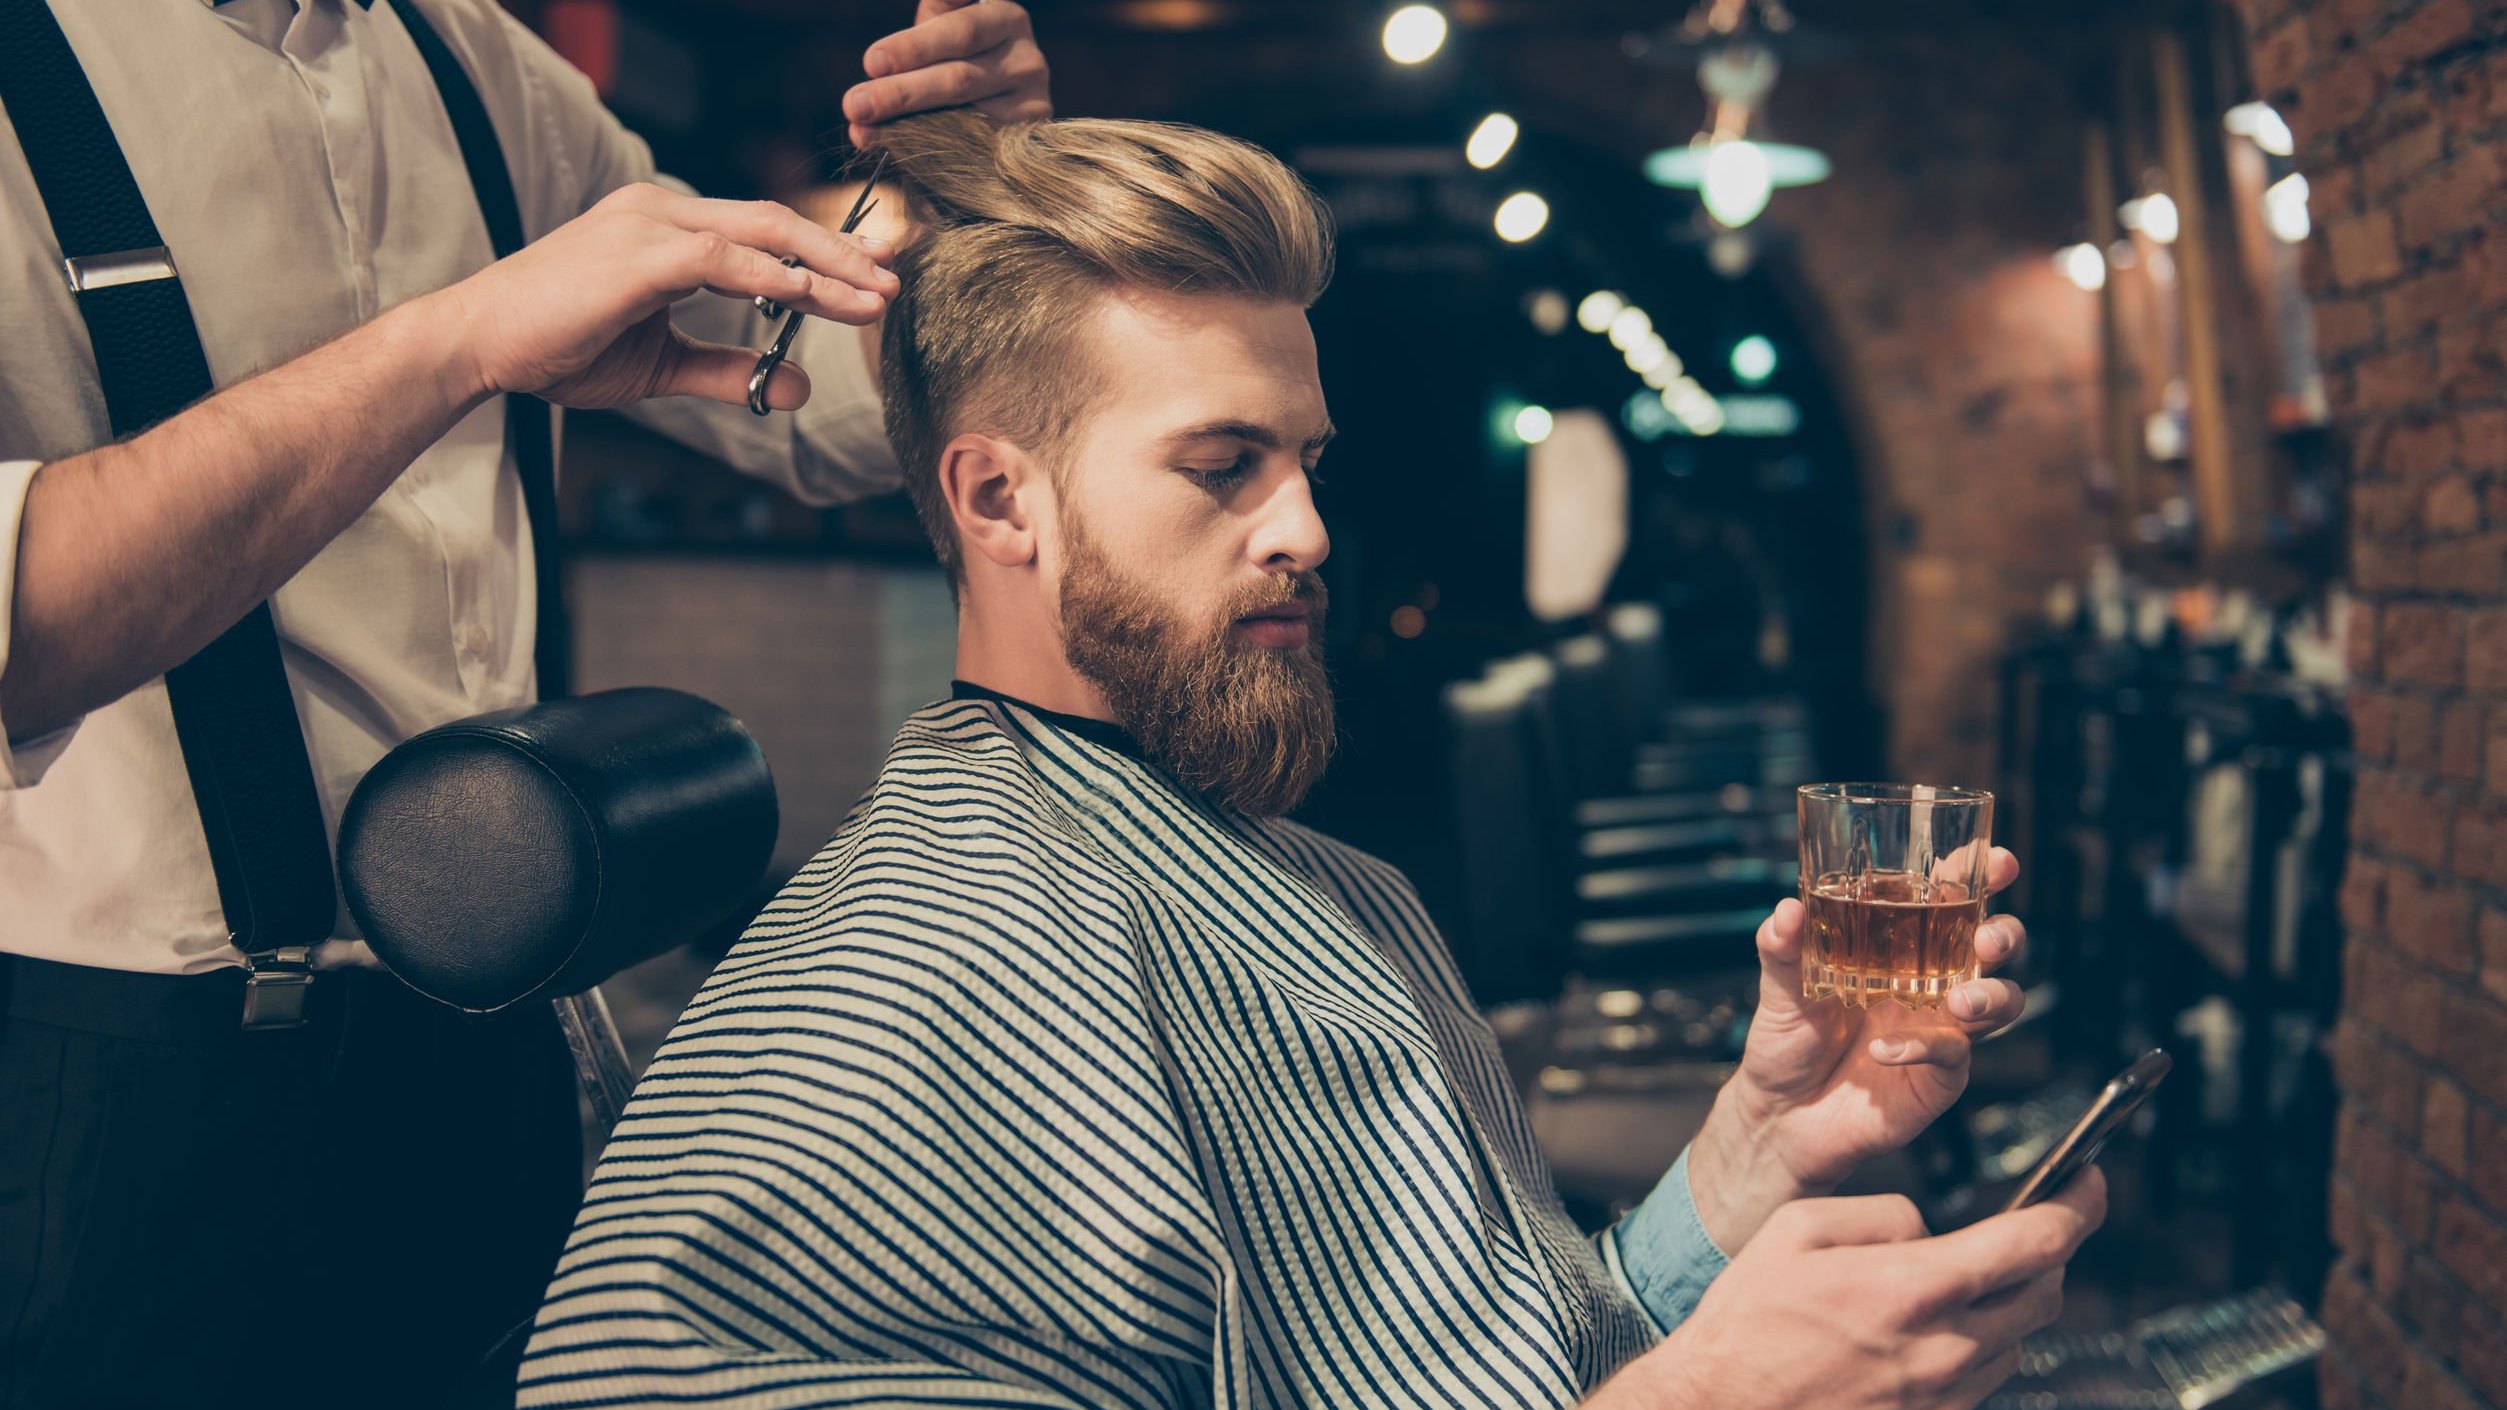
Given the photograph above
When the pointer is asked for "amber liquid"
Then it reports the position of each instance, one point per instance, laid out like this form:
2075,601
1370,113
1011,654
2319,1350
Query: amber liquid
1888,935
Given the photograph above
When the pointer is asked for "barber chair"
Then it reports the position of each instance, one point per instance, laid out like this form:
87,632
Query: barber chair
525,856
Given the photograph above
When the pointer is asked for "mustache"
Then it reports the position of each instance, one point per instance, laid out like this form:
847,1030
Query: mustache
1281,590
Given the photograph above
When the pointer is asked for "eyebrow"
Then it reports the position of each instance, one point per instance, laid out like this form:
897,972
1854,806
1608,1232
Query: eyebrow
1250,432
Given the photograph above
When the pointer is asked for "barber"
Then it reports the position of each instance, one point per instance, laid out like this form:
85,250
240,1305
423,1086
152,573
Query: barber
345,1211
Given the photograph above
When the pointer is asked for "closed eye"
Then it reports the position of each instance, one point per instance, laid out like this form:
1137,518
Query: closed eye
1221,477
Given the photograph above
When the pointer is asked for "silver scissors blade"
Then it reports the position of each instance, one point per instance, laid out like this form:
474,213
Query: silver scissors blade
776,351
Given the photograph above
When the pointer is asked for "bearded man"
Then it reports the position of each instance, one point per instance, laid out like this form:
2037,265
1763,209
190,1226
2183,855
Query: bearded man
1071,1074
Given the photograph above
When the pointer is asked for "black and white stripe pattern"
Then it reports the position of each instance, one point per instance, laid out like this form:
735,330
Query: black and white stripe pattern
1047,1085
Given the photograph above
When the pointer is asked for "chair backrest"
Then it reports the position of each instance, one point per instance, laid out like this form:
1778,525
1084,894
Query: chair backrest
535,852
1592,734
1640,672
1509,951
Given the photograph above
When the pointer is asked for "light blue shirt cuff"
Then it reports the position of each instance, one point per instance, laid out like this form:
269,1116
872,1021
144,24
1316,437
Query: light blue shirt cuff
1662,1251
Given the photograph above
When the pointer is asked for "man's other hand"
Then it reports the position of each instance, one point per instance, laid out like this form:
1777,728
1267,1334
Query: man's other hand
1846,1304
960,53
582,315
1823,1088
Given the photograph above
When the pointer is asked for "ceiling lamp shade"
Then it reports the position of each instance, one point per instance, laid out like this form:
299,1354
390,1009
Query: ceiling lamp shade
1684,168
1733,172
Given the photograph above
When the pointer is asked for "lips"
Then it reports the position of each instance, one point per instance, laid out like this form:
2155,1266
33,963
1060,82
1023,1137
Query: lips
1286,612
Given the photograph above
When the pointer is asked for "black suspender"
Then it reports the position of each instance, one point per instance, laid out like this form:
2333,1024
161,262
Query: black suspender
527,419
233,710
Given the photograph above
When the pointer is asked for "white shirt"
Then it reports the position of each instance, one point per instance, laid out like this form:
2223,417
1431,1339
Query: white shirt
299,165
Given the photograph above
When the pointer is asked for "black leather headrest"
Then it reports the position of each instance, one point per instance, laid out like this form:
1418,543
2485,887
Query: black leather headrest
535,852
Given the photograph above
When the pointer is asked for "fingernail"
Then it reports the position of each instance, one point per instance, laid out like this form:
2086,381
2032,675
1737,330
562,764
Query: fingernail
1894,1048
1963,1002
873,241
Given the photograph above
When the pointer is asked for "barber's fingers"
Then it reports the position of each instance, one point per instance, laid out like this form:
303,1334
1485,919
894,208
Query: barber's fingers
857,260
942,32
708,261
2009,1250
689,368
950,83
931,10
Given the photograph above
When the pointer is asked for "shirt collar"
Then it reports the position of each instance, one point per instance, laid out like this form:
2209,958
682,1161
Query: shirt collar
1105,732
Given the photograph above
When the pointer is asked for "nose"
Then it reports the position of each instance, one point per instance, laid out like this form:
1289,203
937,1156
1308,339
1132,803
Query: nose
1289,535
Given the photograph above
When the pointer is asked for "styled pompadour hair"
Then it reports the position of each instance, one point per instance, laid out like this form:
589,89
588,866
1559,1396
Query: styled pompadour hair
1020,229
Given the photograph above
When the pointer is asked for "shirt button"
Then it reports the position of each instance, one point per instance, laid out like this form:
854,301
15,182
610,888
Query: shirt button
471,638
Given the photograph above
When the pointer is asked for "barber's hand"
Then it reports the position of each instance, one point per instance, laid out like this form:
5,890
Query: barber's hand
1844,1304
960,53
1822,1087
582,315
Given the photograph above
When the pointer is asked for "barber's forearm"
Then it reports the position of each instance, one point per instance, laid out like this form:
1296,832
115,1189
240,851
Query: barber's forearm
134,556
1737,1172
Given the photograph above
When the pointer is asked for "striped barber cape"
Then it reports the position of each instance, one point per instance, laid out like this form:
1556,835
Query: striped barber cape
1047,1084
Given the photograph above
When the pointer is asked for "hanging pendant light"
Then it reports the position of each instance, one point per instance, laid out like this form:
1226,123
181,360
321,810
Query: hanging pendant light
1731,163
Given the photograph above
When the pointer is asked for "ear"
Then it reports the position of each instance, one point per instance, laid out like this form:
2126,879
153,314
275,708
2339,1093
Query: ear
997,494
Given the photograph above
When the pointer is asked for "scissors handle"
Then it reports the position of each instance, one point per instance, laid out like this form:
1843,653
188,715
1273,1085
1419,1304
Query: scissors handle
771,359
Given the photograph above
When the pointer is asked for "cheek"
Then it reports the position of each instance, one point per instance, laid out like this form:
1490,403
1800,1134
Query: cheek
1172,540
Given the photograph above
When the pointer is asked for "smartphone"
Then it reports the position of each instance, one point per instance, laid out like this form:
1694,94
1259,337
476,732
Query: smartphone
2117,1101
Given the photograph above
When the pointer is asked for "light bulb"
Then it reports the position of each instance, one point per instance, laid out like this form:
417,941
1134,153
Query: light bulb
1413,34
2158,218
1753,360
2285,208
1490,141
2260,123
1629,327
1737,183
2083,265
1597,309
1548,310
1533,425
1520,217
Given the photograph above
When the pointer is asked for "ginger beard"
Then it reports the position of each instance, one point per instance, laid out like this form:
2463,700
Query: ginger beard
1244,725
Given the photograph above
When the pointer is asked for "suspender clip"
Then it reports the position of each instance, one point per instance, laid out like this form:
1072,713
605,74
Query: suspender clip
91,272
276,991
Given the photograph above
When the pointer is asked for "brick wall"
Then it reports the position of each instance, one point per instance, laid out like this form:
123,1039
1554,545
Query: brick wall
1967,363
2400,109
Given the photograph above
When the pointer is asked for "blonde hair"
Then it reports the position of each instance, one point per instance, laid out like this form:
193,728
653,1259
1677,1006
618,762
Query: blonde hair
1020,229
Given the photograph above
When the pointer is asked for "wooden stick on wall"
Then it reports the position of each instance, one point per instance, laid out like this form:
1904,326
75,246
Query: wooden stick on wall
2122,403
2216,500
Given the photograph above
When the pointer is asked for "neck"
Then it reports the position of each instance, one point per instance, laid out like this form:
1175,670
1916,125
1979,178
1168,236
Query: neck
1017,651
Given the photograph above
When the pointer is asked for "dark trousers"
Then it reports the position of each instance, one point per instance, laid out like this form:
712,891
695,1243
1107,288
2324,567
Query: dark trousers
348,1214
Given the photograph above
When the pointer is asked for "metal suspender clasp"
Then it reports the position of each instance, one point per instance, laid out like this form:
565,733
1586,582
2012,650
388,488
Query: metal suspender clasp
91,272
276,990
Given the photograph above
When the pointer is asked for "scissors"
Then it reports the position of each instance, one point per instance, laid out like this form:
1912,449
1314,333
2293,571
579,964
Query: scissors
776,351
